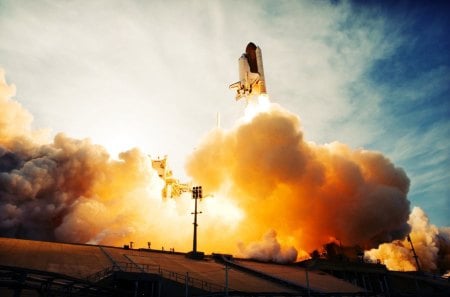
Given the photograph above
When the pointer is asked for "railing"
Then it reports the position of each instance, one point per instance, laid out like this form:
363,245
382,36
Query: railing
156,270
46,283
133,267
98,276
191,281
125,267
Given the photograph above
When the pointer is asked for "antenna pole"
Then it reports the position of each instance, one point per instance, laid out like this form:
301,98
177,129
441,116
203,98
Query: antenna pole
414,253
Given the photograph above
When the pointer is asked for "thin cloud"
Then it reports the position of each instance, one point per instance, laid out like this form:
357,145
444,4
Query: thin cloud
154,74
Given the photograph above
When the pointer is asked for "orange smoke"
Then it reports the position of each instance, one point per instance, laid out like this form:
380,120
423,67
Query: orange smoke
266,180
310,194
432,247
71,190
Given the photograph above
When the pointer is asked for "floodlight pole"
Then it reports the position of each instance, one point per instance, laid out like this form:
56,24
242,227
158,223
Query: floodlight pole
194,244
196,194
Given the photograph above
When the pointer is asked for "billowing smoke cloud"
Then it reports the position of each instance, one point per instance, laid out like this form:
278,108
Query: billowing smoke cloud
268,250
71,190
45,187
432,247
310,194
262,173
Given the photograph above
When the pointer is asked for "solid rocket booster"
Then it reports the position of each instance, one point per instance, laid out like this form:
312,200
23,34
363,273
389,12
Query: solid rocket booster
251,74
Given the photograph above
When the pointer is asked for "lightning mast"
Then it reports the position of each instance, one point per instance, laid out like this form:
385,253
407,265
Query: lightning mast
196,194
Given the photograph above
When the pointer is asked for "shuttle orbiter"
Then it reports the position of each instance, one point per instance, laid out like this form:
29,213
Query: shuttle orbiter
251,73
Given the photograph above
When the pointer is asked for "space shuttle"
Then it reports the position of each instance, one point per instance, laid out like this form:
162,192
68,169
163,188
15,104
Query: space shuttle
251,74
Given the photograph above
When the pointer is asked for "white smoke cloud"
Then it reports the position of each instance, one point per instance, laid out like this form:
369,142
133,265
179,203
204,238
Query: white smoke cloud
431,244
269,250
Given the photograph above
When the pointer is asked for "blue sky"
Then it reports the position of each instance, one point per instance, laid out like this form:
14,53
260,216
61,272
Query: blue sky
414,82
154,74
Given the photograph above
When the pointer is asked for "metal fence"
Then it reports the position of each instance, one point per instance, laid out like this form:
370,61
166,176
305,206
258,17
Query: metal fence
155,270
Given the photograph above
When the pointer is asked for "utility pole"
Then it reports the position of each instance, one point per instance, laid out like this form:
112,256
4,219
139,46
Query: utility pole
196,194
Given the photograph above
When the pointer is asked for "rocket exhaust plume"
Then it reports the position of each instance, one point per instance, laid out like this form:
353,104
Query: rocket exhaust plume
431,244
70,190
310,194
268,250
276,195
